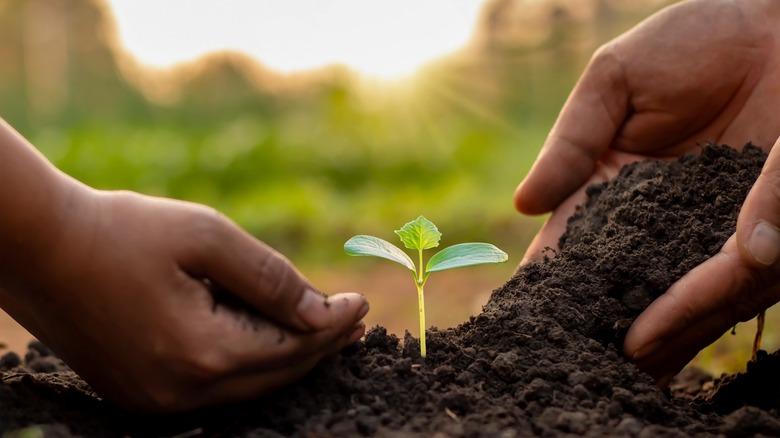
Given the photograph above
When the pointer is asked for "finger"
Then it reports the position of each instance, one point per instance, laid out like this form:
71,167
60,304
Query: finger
239,387
546,238
236,387
758,227
679,350
552,230
250,386
258,346
256,274
584,130
697,310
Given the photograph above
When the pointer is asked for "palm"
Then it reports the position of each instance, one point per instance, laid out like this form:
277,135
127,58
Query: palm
696,86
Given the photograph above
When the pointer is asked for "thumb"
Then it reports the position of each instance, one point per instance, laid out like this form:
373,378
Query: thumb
249,270
758,226
584,130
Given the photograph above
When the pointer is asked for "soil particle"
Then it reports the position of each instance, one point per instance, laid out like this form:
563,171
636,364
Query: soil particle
541,359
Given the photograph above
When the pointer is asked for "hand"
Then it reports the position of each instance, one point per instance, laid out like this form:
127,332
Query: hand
736,284
702,70
139,295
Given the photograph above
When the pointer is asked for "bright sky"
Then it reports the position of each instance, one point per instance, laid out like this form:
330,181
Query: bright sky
385,38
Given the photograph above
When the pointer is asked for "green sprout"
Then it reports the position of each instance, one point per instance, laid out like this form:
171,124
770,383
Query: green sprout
421,234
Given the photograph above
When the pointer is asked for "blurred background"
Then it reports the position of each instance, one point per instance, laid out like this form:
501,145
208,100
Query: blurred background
310,121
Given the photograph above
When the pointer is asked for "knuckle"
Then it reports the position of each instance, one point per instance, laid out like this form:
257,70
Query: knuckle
205,364
769,181
195,361
605,56
603,52
756,291
688,313
276,276
209,225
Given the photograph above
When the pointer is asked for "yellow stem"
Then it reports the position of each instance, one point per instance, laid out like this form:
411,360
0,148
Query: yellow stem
421,301
421,306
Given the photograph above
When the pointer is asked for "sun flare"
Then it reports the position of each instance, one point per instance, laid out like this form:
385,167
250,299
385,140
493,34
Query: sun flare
385,38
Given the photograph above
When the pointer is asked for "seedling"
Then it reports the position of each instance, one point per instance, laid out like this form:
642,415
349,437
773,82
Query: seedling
421,234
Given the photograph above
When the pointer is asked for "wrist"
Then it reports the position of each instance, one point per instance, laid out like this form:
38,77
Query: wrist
39,207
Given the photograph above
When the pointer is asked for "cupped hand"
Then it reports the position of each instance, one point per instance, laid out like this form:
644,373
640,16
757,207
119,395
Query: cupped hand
166,306
733,286
699,71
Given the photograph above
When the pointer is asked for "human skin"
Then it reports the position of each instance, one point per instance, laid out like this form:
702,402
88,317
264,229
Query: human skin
699,71
121,286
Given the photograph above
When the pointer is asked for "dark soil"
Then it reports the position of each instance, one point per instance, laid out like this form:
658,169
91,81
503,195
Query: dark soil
542,359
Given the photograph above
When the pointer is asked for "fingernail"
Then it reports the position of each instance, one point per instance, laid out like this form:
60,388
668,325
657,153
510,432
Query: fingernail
764,244
363,310
647,350
313,310
357,333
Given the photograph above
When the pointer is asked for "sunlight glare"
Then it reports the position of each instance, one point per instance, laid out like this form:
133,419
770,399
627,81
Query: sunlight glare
385,38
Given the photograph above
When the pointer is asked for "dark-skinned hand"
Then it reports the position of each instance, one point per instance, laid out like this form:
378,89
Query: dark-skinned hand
699,71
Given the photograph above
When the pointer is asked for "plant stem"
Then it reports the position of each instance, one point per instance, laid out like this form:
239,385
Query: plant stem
421,301
421,306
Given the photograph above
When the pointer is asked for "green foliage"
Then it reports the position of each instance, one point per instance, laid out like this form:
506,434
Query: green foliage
373,246
463,255
421,234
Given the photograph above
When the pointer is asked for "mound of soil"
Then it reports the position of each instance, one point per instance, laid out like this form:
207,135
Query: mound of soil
542,359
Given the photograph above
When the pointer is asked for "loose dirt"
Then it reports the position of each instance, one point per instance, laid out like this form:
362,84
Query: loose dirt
542,358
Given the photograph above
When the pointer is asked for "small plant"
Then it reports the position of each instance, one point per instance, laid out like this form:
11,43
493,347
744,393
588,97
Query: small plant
421,234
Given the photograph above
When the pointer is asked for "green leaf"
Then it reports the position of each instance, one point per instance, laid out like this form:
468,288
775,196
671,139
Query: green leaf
419,234
363,245
465,254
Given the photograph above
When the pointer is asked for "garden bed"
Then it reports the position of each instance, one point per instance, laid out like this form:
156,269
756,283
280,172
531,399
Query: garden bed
542,359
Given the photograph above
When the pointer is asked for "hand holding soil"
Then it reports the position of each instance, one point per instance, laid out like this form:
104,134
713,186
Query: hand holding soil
700,71
132,292
733,286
